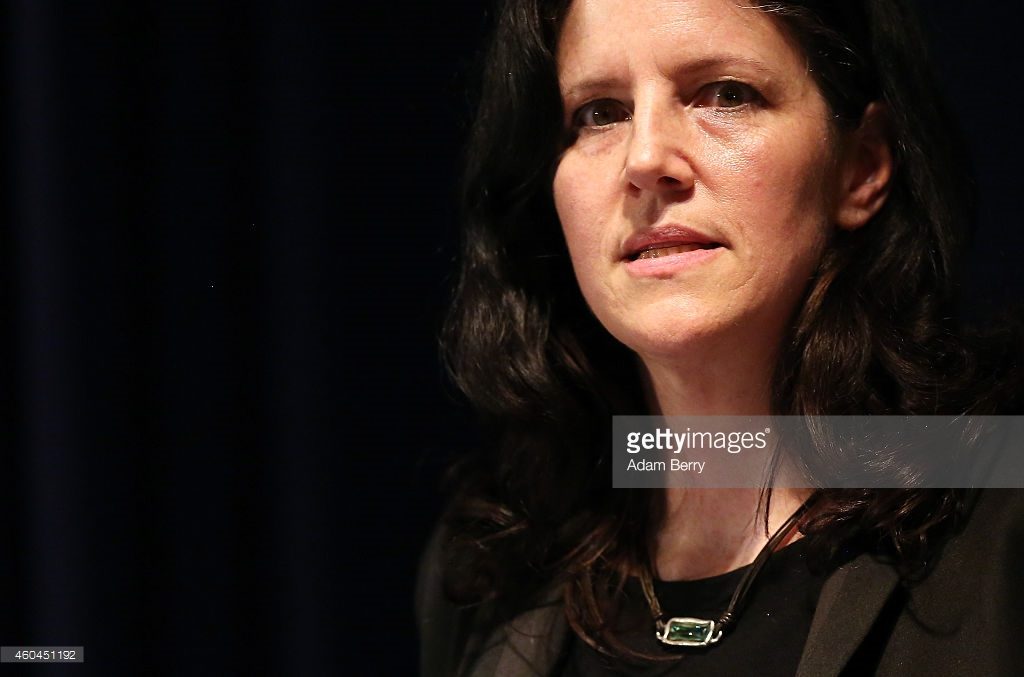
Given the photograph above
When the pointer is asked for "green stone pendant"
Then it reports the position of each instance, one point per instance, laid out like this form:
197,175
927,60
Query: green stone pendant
687,632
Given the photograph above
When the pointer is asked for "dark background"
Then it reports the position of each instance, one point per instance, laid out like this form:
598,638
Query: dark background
226,246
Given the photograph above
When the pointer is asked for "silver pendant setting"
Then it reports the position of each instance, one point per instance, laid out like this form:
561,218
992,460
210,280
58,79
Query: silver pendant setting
684,631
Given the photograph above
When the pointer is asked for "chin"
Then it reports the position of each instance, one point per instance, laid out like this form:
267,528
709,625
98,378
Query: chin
671,334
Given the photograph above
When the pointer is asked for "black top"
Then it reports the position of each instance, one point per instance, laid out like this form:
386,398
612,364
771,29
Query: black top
964,616
767,638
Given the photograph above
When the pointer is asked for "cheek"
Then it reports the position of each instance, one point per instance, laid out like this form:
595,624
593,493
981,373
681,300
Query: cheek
580,198
771,191
565,189
776,187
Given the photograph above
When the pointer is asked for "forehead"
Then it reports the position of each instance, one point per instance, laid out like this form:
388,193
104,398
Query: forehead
629,38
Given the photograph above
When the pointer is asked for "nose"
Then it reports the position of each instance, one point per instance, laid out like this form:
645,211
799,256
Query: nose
657,158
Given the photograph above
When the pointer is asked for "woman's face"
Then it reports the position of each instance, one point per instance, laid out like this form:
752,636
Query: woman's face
698,193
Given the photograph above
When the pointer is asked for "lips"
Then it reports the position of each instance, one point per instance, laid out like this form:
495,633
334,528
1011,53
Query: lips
665,241
656,252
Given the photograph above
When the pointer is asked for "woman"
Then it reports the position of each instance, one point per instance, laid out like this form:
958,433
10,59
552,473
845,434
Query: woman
703,207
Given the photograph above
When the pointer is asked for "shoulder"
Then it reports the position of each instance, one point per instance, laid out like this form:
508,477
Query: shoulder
457,639
965,615
969,611
437,618
993,534
451,635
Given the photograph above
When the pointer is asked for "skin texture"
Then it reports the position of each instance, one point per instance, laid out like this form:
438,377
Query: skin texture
702,114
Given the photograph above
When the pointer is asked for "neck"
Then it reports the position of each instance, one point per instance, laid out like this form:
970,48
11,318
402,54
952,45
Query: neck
707,532
737,384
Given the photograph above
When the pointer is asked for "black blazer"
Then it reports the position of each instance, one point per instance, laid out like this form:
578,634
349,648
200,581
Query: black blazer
965,618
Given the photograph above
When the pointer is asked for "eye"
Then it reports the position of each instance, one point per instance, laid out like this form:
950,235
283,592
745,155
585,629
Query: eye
600,113
726,94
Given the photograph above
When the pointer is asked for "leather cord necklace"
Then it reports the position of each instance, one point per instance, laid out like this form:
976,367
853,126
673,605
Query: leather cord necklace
687,631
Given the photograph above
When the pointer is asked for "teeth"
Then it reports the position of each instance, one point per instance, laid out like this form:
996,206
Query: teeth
665,251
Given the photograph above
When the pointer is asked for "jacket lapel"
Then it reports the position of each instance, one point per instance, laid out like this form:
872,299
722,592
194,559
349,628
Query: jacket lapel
850,601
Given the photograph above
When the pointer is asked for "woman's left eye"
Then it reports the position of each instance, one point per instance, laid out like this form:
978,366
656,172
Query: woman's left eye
726,94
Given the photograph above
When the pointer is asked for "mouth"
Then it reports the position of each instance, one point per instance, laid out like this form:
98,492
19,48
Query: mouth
655,251
667,240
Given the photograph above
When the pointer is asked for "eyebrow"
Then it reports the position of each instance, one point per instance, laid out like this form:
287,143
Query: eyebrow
585,86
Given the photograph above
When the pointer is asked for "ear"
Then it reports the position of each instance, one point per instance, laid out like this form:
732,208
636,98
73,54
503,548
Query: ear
865,169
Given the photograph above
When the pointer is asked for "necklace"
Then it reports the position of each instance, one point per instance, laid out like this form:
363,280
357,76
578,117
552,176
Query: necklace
686,631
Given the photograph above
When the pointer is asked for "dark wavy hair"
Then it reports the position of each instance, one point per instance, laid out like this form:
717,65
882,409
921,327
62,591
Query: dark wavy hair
877,332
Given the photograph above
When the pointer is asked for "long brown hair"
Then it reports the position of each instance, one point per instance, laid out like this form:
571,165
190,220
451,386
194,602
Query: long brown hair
877,333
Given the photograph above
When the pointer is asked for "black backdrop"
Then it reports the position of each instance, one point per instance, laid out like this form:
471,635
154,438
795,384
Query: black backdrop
227,238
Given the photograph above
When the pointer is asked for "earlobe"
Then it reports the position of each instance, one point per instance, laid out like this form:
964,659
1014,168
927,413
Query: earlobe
866,170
